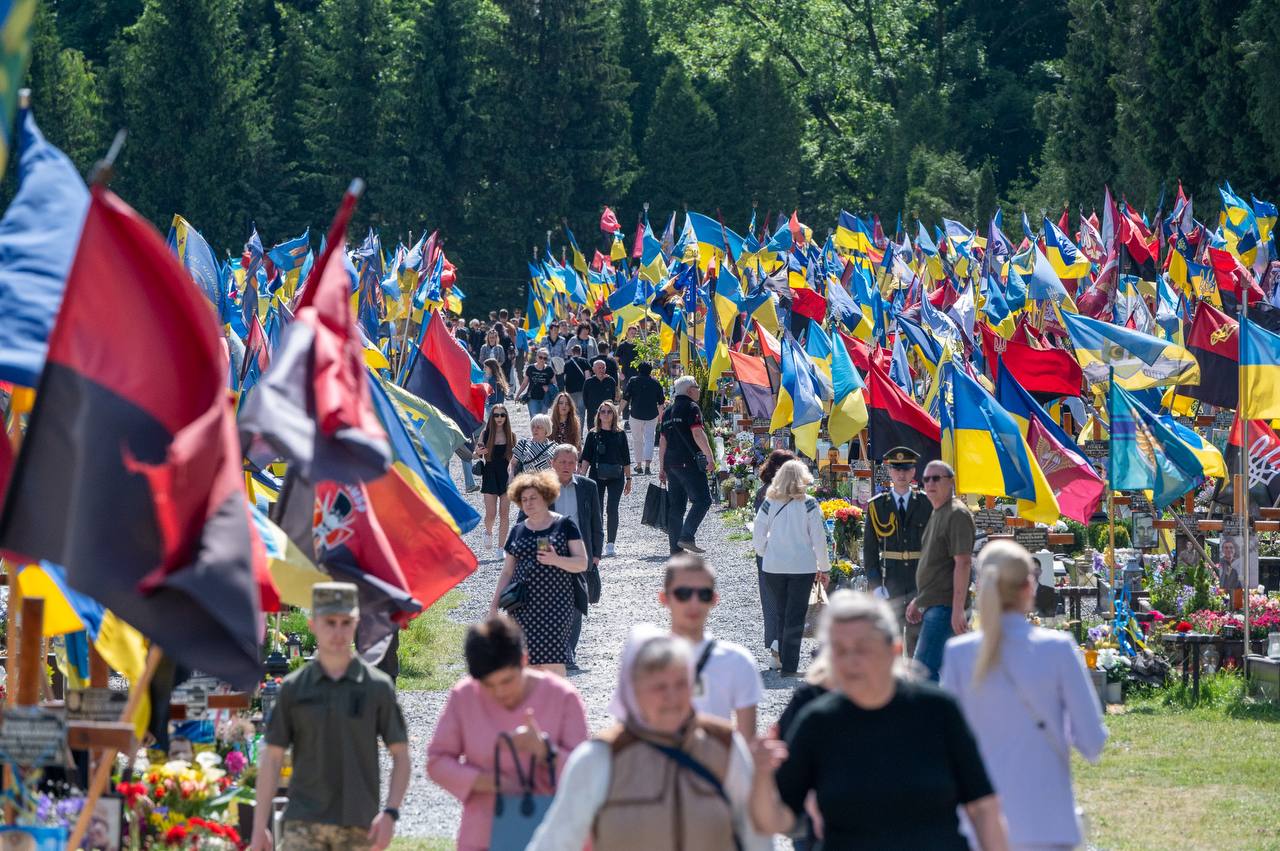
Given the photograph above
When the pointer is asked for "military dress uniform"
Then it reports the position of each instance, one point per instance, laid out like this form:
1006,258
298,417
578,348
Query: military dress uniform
891,545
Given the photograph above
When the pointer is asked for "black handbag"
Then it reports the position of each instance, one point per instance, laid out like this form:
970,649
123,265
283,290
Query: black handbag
655,507
581,594
514,597
593,584
477,467
608,472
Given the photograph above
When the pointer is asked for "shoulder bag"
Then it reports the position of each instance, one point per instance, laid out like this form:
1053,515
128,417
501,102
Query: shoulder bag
516,815
605,472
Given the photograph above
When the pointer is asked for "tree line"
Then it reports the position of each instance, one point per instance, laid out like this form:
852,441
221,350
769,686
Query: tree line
496,120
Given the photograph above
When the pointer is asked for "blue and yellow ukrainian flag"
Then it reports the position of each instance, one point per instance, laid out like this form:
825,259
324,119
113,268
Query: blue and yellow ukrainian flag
849,409
1145,454
1138,360
1259,372
1063,254
852,234
799,405
728,297
713,239
984,444
817,346
713,343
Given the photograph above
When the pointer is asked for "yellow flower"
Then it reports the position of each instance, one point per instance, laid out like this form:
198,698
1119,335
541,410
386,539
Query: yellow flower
831,506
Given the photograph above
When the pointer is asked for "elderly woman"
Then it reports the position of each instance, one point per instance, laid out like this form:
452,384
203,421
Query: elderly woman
1027,695
768,605
533,454
535,587
790,537
543,715
663,777
915,756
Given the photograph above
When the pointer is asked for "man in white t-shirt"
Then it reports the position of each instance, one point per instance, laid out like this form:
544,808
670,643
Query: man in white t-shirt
728,683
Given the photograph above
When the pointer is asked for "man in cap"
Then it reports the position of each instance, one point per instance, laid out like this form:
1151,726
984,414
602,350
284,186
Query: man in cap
332,711
895,523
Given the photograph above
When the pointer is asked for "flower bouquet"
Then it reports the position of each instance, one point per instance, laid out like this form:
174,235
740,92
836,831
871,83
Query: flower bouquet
181,804
848,528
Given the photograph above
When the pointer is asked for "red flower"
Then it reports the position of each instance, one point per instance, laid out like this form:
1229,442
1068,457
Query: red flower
1183,626
175,834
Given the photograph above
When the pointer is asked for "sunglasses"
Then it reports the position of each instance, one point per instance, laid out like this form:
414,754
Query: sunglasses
499,416
685,594
931,479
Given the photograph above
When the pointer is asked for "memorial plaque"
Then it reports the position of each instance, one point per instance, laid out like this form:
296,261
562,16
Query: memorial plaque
989,520
1224,419
1139,504
1097,451
881,478
96,704
1233,525
32,736
194,694
1144,530
1032,537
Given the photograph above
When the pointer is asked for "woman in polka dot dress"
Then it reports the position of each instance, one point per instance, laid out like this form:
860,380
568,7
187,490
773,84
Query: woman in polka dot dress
543,552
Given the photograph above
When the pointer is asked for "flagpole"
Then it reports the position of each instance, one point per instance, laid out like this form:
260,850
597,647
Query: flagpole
1111,501
1242,487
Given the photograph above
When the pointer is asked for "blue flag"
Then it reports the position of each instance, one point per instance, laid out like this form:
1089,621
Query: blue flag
38,237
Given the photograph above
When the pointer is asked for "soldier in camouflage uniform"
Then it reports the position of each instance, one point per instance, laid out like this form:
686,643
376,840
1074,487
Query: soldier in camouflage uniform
332,711
895,522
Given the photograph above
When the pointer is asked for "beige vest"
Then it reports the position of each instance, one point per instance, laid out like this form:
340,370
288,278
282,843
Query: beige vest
655,805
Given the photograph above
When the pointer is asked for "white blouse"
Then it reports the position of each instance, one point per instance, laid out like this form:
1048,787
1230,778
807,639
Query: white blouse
791,537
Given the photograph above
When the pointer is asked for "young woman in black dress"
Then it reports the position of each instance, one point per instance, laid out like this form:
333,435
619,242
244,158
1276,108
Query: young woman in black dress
494,447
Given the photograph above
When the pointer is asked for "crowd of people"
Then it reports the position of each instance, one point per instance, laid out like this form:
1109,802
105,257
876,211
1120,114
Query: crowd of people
907,728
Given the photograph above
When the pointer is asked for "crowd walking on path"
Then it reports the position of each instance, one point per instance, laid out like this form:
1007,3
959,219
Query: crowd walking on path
962,740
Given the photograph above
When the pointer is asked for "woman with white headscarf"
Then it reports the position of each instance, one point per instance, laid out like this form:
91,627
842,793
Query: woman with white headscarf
663,777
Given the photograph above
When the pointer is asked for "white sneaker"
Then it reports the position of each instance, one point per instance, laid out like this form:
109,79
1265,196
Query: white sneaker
488,540
608,550
775,661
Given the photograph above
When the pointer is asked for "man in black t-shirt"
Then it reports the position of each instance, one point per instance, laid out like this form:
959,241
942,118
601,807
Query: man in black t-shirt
685,459
600,387
626,354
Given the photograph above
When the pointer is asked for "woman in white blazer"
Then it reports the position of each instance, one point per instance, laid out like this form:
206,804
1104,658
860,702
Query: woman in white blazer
1028,697
790,536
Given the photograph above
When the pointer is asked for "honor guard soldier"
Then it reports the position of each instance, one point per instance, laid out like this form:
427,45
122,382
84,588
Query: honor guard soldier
895,522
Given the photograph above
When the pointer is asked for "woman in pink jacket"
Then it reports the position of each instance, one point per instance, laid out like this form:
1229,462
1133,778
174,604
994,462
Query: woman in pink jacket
542,712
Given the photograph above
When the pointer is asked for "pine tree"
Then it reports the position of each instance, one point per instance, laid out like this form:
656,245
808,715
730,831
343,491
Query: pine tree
197,144
1080,115
761,135
639,54
1259,32
66,94
683,160
559,132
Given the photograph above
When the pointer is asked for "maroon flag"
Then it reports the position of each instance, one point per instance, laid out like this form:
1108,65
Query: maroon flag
130,474
637,246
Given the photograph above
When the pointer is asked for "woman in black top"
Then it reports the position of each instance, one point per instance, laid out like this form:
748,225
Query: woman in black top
606,460
888,759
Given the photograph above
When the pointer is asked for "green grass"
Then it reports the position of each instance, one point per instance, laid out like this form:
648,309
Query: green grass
1175,775
431,649
735,519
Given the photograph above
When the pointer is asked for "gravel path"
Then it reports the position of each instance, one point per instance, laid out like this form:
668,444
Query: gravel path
631,581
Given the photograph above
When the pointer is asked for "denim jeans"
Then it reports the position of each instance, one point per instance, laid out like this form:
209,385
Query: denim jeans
468,477
791,604
540,406
686,486
935,629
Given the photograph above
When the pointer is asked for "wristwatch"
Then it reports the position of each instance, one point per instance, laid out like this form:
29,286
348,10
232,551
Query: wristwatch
394,812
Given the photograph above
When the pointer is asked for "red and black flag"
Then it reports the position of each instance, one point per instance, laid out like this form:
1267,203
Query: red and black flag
1214,341
312,406
441,375
896,420
754,382
1264,465
130,474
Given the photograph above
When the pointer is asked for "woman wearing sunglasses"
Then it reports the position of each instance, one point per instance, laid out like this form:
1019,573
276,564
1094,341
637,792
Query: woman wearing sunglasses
606,460
496,442
539,382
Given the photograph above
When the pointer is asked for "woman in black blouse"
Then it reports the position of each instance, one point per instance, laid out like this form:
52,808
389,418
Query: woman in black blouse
606,460
888,759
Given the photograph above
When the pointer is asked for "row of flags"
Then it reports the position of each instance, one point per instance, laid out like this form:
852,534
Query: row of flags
205,441
962,343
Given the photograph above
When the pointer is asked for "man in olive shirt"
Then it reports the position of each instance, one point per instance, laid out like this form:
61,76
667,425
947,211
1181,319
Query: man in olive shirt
332,712
942,575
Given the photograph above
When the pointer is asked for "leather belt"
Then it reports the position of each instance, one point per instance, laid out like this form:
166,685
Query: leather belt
900,555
